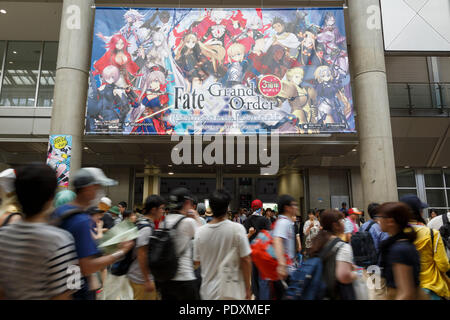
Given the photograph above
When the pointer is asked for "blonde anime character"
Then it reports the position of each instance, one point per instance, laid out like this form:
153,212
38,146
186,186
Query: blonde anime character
299,97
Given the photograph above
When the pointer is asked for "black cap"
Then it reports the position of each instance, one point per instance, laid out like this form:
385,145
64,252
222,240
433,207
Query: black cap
414,202
178,196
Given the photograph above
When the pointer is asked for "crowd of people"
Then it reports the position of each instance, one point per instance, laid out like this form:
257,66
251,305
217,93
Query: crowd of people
183,250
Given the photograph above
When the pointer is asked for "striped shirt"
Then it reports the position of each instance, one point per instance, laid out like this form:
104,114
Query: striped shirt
36,261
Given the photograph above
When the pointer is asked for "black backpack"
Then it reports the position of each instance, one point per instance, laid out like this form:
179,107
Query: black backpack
162,255
445,231
334,289
121,267
363,247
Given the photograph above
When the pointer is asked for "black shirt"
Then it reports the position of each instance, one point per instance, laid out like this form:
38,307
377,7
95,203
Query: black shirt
403,252
257,222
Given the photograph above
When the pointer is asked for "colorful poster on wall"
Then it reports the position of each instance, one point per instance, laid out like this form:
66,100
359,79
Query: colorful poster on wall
219,71
58,157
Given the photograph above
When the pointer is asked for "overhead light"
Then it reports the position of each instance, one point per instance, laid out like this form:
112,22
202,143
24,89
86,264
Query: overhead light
238,166
86,148
171,173
444,167
200,165
265,149
169,165
11,62
3,11
407,167
354,150
176,149
15,52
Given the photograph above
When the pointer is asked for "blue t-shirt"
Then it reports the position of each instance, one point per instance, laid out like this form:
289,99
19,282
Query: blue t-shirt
403,252
376,233
80,226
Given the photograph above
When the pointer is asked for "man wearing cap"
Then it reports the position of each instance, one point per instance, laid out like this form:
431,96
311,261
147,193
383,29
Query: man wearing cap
88,184
115,214
351,226
184,285
433,259
104,205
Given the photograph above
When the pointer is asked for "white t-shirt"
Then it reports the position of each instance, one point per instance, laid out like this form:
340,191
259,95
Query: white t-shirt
344,253
284,228
211,245
183,241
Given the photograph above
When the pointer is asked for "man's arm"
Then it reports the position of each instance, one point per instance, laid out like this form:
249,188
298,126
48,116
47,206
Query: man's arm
142,258
92,264
279,252
246,267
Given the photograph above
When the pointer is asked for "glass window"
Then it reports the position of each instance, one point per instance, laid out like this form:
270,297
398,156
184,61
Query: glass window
21,73
48,74
433,179
436,198
447,178
406,178
404,192
2,51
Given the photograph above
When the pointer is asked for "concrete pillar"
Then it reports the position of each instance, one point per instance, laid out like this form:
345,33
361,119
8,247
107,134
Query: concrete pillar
72,70
151,181
219,177
290,182
372,103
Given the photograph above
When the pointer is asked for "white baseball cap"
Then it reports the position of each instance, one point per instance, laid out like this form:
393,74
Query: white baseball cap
106,201
89,176
7,178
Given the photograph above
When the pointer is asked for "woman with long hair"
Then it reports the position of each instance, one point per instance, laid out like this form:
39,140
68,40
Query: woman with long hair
337,257
400,261
117,55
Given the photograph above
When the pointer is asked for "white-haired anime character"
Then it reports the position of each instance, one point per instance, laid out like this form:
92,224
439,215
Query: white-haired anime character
133,31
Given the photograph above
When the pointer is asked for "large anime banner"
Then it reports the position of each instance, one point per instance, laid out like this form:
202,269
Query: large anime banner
219,71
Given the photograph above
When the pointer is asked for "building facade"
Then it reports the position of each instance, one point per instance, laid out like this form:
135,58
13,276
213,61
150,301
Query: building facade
401,98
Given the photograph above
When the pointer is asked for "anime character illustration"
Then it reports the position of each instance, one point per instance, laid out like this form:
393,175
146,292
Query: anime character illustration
58,157
155,100
192,58
118,56
238,65
334,44
287,40
151,57
133,31
299,98
276,61
333,106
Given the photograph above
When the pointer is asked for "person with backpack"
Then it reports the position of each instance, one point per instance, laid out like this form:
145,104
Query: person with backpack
37,260
336,257
366,250
139,273
221,249
433,259
442,224
400,261
74,217
253,225
181,224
